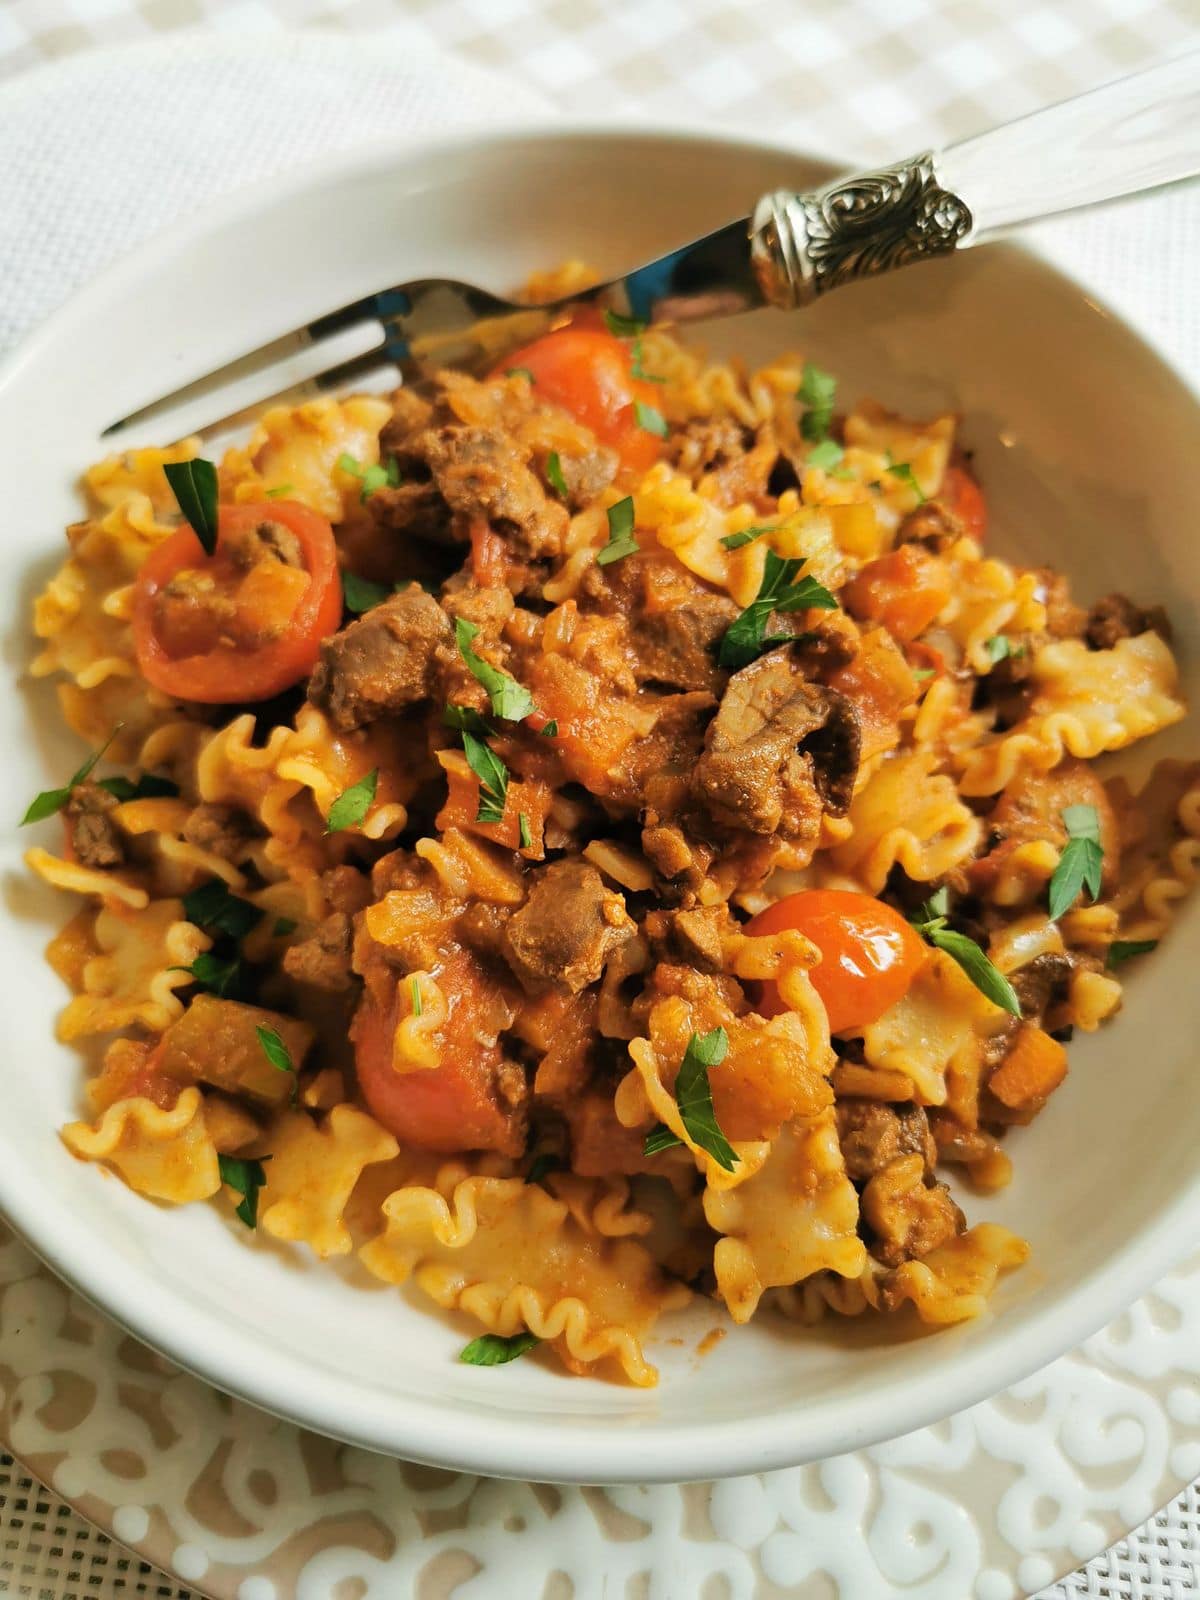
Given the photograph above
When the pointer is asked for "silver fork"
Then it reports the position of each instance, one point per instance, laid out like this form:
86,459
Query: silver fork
1135,134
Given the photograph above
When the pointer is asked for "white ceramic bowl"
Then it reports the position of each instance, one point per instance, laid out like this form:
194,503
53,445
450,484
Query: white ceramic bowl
1090,450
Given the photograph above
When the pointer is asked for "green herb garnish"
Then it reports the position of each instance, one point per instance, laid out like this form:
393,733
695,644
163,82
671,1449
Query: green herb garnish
194,485
550,731
278,1054
624,327
491,1350
554,474
636,370
781,589
816,393
523,831
245,1178
212,906
280,489
52,800
906,475
372,478
1122,950
650,418
417,1004
693,1095
735,541
921,673
219,977
149,786
998,648
825,455
930,923
493,778
519,372
284,926
621,541
352,805
360,594
1082,861
466,718
509,699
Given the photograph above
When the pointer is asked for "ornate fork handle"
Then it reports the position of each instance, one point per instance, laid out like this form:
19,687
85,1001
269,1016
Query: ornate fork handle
803,245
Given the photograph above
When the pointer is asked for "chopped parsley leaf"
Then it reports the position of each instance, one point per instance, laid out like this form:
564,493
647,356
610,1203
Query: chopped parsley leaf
693,1095
998,647
624,327
194,485
816,393
352,805
280,489
523,831
460,717
509,699
621,541
284,926
1122,950
372,478
650,419
636,370
519,372
906,475
52,800
554,474
781,589
360,594
825,455
921,673
1082,861
492,1350
735,541
493,778
550,731
212,906
246,1178
149,786
930,923
416,1003
278,1054
222,978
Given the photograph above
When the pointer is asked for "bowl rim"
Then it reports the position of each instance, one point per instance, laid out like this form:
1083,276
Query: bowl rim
505,1445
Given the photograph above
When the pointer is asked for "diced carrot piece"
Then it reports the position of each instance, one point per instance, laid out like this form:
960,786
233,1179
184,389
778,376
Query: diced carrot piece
904,590
1032,1069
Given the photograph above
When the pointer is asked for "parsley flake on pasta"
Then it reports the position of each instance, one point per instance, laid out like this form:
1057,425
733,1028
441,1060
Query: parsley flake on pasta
352,805
52,800
781,589
1081,863
931,922
621,540
493,778
380,475
906,475
218,976
816,393
554,474
278,1055
1122,950
509,699
244,1177
213,906
493,1350
693,1095
361,594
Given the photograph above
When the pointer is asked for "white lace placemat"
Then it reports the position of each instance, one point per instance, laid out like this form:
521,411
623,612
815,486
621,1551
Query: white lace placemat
80,182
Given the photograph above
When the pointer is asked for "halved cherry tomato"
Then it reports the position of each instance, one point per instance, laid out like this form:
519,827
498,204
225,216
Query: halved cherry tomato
450,1107
904,590
224,628
964,497
589,372
869,954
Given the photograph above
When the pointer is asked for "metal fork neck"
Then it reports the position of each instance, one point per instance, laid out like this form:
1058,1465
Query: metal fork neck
803,245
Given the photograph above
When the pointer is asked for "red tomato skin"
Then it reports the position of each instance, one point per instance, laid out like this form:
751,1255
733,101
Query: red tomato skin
869,953
962,493
588,372
230,677
442,1108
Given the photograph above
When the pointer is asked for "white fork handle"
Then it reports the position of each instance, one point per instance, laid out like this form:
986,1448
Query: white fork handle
1128,136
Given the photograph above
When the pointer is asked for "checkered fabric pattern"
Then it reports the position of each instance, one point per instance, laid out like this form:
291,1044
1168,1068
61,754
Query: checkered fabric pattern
863,78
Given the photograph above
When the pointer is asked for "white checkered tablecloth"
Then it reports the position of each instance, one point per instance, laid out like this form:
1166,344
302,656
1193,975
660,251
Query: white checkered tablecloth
863,78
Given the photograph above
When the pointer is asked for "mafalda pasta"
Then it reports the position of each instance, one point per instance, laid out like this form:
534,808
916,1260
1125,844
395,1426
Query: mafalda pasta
608,832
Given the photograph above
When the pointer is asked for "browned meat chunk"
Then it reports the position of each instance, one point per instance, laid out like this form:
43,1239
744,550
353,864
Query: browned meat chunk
567,929
692,936
1031,807
323,961
387,660
410,413
702,446
485,474
779,751
675,622
93,833
1116,617
587,475
932,525
217,1042
908,1217
873,1135
346,889
220,830
1042,983
266,541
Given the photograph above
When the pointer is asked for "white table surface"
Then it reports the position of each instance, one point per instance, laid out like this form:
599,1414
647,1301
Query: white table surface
865,78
